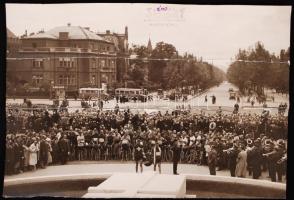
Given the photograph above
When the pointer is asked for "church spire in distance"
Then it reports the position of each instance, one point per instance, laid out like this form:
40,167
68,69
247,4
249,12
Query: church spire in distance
149,46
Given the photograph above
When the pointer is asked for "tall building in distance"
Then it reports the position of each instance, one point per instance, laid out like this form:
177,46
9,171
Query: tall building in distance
13,43
67,56
121,44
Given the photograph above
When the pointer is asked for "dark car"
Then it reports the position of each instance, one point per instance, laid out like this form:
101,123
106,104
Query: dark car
231,90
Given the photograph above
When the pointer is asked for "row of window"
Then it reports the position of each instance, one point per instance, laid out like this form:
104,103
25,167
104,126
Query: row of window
92,46
96,47
103,63
37,79
66,62
67,79
69,62
38,63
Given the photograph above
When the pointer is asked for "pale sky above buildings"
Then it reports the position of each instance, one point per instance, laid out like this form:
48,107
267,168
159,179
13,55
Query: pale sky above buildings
213,32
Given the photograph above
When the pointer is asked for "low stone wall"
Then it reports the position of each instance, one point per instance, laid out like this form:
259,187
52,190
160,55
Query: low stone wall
221,186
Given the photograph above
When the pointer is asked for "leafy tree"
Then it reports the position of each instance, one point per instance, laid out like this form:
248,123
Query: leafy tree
161,51
256,69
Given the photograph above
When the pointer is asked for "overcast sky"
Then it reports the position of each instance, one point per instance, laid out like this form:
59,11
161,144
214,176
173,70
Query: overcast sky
213,32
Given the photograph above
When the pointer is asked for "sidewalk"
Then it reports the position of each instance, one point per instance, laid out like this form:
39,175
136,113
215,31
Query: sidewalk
80,167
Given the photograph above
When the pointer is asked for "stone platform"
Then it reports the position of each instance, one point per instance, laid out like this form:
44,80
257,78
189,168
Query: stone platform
141,185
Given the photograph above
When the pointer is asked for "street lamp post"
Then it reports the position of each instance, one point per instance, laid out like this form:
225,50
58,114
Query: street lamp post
34,80
51,88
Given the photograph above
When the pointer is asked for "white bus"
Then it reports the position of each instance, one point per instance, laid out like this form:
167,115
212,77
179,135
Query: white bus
86,93
130,92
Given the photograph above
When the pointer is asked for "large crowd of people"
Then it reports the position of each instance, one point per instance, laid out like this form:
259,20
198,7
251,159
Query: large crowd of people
244,143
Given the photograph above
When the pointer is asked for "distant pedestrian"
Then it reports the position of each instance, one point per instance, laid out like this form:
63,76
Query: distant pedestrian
213,99
116,109
252,102
236,108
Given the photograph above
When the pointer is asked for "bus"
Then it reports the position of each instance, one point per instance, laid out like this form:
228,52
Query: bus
130,92
127,94
87,93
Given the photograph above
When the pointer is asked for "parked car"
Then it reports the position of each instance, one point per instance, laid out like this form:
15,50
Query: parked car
231,90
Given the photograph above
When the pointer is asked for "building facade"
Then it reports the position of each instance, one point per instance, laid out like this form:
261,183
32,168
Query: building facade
69,56
120,41
13,43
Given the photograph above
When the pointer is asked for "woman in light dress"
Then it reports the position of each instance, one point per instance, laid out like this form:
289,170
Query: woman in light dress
33,149
241,167
48,140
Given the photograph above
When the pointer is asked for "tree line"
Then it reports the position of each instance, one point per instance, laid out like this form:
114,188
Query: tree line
174,71
256,69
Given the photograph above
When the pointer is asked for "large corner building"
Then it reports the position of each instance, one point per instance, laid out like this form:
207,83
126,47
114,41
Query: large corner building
69,56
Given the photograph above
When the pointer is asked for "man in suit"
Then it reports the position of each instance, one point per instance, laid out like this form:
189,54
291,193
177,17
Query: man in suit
44,149
254,158
232,158
64,149
212,159
273,157
176,156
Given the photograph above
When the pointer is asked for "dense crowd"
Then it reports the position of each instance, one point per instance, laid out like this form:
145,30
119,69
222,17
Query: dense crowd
240,142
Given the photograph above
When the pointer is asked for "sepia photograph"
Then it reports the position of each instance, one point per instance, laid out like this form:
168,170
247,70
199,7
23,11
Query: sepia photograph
146,100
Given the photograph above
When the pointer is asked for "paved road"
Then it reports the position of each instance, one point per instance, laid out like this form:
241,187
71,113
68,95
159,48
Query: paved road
80,167
221,93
